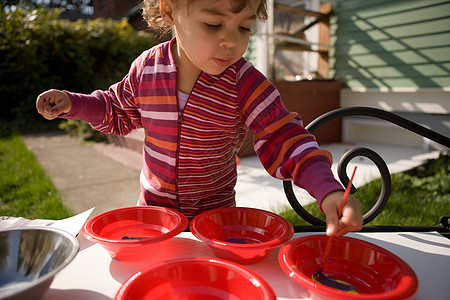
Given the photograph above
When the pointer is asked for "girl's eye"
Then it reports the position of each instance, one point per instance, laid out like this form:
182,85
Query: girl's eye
212,26
251,29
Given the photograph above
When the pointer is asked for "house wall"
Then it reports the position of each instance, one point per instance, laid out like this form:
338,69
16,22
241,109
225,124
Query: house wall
391,44
116,9
112,8
393,55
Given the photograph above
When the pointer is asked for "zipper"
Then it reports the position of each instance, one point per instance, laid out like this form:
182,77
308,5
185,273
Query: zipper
179,122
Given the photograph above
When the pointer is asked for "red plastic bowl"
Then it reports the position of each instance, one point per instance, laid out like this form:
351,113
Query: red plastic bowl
134,233
375,272
243,235
195,278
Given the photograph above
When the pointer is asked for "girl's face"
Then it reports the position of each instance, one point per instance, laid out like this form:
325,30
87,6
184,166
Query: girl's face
210,37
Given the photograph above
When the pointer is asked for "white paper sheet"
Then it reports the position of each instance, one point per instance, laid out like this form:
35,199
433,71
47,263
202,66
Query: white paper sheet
72,225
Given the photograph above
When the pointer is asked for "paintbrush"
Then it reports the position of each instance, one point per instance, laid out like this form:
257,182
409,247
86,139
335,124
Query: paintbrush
320,276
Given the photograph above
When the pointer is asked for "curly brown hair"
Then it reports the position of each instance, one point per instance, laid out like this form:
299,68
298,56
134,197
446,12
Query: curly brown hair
151,14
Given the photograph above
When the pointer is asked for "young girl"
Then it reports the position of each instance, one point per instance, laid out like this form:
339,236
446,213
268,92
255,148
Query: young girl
196,96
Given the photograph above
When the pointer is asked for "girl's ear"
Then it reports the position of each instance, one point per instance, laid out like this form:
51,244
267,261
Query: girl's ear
166,10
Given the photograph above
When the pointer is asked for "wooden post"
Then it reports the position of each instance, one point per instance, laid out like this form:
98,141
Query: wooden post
324,38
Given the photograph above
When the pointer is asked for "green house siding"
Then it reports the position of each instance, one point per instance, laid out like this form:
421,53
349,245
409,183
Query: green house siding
391,43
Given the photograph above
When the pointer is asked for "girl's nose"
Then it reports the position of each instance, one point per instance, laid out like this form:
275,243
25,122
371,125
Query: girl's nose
229,39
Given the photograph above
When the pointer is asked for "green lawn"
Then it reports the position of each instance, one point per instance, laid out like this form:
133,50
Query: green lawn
418,197
25,189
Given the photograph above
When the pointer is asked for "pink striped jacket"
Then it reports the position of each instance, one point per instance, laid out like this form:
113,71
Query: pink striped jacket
189,156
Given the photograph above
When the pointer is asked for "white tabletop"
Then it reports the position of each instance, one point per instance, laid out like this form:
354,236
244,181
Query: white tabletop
94,275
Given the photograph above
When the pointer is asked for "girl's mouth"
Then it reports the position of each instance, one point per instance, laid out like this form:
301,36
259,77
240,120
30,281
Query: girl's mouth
223,61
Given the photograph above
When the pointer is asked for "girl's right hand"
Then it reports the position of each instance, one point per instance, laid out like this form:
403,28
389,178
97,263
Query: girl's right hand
52,103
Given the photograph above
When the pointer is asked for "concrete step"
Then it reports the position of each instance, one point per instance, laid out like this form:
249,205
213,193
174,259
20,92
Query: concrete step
132,141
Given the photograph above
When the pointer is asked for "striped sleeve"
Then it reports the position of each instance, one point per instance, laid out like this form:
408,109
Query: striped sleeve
114,110
122,114
286,149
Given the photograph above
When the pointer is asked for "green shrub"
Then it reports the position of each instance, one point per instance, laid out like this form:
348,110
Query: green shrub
82,130
39,51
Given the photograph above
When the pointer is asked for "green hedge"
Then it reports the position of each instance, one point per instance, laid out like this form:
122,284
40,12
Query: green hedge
39,51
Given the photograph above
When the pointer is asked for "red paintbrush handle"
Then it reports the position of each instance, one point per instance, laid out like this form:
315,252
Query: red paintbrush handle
326,253
347,191
341,207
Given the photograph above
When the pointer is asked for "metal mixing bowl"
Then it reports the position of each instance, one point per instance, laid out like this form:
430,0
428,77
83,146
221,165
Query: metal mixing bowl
30,258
